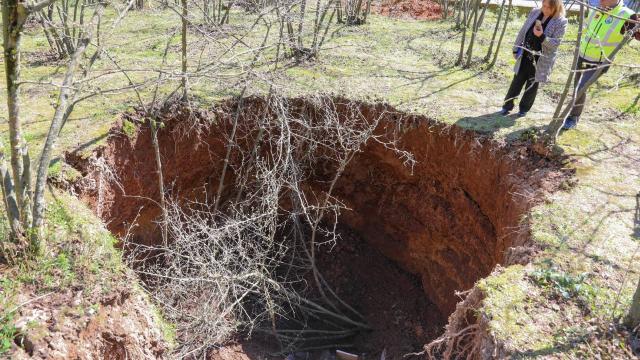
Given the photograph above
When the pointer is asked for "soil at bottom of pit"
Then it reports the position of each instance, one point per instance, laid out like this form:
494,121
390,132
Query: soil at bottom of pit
392,301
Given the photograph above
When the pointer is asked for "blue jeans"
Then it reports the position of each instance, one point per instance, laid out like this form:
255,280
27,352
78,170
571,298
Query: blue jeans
587,69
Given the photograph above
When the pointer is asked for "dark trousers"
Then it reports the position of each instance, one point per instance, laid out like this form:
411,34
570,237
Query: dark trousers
524,78
586,70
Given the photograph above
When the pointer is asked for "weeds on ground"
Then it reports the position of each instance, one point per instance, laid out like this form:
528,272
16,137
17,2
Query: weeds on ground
562,284
7,299
129,128
7,332
7,328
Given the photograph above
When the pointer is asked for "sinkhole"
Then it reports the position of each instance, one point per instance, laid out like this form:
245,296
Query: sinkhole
426,209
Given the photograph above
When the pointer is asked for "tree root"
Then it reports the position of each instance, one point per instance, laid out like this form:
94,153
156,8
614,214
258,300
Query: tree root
466,334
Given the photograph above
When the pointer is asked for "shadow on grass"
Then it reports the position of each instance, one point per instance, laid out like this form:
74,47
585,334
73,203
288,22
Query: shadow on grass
449,86
487,123
584,233
420,78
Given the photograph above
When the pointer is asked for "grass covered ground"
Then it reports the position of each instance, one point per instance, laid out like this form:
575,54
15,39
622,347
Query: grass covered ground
562,304
76,296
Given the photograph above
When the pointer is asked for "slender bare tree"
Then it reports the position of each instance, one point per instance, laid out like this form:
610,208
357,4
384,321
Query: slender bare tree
504,29
474,32
495,32
184,22
18,187
295,35
24,209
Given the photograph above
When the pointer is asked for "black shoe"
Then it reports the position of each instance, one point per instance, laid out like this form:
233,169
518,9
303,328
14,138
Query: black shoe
504,112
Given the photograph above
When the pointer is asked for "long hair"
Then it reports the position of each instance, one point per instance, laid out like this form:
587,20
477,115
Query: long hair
557,6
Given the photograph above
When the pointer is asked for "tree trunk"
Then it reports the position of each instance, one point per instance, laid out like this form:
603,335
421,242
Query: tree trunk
465,11
66,32
48,23
504,29
574,64
474,31
303,7
368,10
633,317
14,16
47,33
185,83
484,11
163,205
59,118
495,32
316,24
10,204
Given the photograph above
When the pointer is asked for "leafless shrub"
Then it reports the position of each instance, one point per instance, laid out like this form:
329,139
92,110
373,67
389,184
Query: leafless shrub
211,278
245,261
304,27
355,11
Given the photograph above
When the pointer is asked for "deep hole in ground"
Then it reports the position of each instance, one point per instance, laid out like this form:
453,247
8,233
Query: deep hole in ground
411,236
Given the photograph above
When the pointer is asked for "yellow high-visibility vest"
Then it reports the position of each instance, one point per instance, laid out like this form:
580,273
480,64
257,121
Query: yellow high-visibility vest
602,33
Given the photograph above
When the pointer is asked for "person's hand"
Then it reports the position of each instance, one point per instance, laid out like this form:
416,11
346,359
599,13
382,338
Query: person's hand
537,31
515,56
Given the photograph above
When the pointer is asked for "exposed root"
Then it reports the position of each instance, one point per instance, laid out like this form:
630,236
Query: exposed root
462,337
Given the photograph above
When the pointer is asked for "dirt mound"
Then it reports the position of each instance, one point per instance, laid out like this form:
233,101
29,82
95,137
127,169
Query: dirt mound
119,328
412,9
438,227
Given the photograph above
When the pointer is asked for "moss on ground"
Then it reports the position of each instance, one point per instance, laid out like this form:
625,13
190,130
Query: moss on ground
507,298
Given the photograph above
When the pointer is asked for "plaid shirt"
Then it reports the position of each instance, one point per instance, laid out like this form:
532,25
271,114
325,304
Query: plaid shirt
553,32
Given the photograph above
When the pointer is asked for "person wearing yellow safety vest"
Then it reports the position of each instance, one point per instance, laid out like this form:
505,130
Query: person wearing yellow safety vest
604,31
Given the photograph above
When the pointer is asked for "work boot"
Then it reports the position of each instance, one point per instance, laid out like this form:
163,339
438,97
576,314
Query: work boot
570,123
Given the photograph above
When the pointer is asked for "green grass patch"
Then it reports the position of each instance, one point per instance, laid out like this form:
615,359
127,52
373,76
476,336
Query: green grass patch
563,284
129,128
7,312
